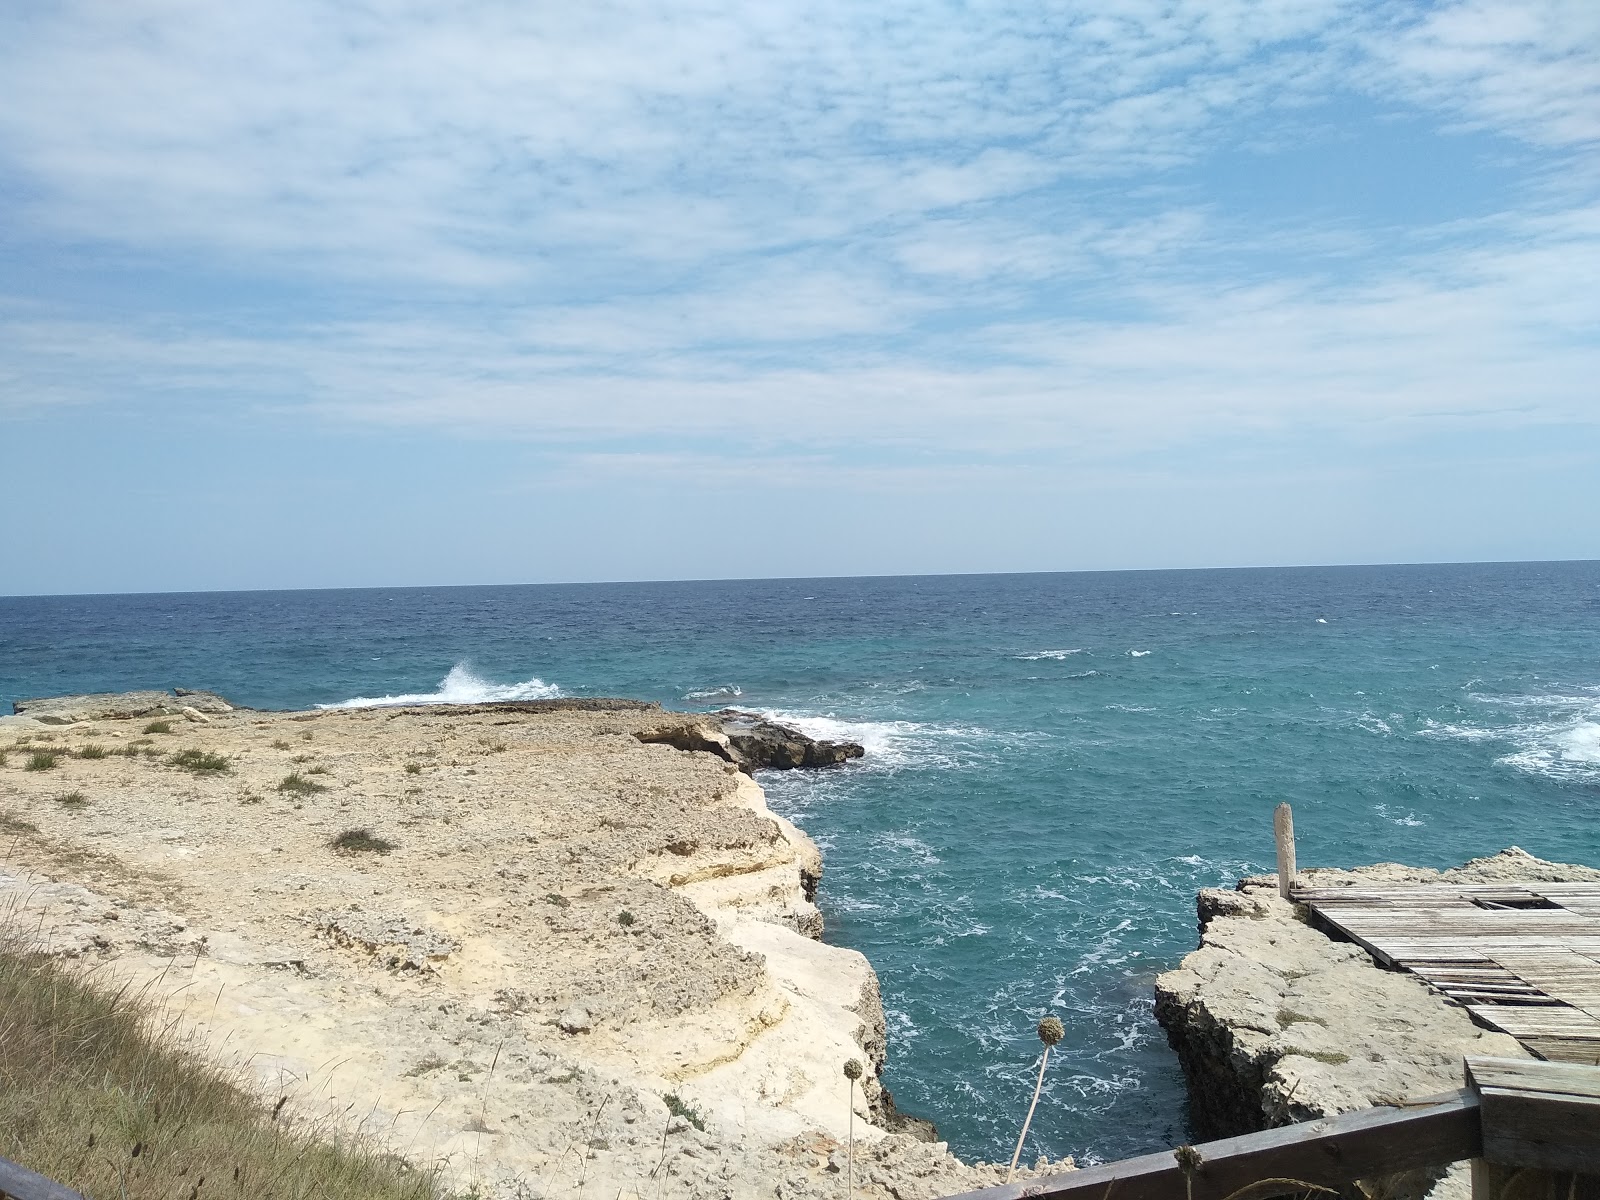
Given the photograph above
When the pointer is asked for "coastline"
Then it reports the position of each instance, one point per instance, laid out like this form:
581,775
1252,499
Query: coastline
585,955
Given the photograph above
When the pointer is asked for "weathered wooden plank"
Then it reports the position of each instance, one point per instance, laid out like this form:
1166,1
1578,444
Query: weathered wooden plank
1335,1150
1556,1079
1540,1115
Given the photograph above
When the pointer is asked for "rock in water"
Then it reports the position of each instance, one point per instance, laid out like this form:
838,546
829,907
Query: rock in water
762,744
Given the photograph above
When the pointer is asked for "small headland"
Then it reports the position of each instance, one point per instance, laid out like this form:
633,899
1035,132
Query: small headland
542,947
1277,1019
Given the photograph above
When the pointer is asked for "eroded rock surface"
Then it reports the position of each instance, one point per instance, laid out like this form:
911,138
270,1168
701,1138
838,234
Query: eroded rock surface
749,741
1274,1022
558,935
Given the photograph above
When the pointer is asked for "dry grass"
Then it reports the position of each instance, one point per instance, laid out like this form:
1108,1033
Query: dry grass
42,760
200,762
159,727
297,784
97,1095
361,841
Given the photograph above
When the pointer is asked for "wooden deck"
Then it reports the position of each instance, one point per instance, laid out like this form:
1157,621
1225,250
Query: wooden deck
1522,959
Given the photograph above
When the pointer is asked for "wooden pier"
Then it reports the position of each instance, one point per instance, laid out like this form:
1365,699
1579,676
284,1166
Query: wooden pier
1521,958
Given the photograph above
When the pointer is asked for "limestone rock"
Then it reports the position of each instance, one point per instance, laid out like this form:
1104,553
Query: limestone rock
1274,1022
113,706
762,744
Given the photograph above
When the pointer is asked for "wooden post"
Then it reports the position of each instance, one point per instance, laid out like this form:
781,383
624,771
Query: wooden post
1283,831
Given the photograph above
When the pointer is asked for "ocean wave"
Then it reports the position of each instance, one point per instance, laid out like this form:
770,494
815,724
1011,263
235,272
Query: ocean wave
894,745
1561,741
728,691
1139,653
1057,655
461,686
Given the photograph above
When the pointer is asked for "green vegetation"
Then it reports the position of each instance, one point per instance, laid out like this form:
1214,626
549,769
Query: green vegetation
413,768
73,799
2,758
98,1095
279,744
199,761
159,727
42,760
361,841
625,918
298,785
688,1112
92,750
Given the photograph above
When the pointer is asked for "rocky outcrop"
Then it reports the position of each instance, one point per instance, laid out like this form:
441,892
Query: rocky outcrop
748,740
572,936
69,710
1274,1022
763,744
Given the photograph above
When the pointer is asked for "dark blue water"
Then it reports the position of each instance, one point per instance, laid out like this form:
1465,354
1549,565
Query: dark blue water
1056,762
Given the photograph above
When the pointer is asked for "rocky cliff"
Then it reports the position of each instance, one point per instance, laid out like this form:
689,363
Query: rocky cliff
1274,1022
537,942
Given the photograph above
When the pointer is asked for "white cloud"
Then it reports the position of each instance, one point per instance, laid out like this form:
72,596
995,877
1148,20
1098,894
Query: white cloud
937,229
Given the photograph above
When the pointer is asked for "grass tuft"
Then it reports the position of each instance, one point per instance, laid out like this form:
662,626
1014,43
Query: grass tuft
73,799
100,1096
92,750
298,785
625,918
199,761
159,727
279,744
413,768
42,760
688,1112
361,841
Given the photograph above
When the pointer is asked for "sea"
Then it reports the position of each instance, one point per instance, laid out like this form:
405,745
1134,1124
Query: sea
1054,764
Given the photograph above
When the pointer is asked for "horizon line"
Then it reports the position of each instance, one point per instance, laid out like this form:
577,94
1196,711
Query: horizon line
413,587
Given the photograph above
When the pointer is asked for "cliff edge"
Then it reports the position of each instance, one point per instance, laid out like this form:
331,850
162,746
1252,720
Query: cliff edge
535,942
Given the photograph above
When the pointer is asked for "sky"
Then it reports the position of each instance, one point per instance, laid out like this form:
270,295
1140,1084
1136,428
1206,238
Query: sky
382,292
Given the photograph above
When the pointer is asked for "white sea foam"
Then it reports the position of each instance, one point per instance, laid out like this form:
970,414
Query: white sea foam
1140,653
728,691
1557,736
1408,819
461,686
893,745
1058,655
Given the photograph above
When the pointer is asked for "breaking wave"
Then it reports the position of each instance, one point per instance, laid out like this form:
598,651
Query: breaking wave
461,686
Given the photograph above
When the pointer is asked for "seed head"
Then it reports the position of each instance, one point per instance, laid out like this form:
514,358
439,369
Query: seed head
1051,1031
852,1069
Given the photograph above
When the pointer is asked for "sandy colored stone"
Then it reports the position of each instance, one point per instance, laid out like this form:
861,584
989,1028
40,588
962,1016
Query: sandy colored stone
569,927
1274,1022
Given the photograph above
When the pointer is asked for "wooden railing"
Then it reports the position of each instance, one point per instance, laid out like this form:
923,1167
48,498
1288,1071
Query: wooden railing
1531,1128
19,1183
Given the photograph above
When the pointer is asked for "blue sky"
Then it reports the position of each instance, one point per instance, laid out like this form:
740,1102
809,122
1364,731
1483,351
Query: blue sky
312,294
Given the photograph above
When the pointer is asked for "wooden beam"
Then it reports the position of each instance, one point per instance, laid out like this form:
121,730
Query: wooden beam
1540,1115
1283,834
1371,1143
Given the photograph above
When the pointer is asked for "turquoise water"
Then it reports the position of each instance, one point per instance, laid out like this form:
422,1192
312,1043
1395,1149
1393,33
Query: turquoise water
1055,762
